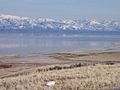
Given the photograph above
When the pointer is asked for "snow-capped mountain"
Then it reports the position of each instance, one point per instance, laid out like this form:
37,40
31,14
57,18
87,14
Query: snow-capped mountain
9,22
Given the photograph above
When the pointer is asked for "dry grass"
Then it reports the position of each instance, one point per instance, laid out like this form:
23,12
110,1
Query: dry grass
77,78
5,66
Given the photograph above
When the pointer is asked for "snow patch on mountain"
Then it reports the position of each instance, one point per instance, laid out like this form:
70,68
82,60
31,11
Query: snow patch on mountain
17,23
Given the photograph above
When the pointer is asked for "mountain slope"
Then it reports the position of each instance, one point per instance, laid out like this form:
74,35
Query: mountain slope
9,22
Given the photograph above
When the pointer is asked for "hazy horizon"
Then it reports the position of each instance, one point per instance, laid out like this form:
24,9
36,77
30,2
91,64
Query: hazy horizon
62,9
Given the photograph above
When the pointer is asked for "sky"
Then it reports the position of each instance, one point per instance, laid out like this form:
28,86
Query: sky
62,9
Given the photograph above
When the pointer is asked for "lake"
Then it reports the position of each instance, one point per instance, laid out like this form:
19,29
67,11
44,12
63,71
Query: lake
12,43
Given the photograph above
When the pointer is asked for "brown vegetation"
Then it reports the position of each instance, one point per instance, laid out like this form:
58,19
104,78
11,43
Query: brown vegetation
5,66
75,78
82,73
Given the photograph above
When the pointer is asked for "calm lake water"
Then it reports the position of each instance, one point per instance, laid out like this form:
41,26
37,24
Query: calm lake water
11,43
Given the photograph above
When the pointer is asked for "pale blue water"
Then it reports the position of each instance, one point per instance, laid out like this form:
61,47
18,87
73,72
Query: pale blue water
11,43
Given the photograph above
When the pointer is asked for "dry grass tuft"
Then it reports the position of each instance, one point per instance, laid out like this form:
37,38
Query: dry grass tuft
77,78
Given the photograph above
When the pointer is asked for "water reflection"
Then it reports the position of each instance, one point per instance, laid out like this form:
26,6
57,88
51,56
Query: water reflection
18,43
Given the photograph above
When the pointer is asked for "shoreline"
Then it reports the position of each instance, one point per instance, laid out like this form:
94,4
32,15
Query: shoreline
70,67
33,60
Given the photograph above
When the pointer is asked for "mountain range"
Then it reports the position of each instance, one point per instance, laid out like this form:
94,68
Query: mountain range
11,23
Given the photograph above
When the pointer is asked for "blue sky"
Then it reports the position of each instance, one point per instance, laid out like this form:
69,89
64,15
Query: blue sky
62,9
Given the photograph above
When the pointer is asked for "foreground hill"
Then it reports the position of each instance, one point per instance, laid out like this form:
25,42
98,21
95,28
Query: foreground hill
103,77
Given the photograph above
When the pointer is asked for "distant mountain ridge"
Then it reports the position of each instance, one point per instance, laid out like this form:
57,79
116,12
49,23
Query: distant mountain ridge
9,22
